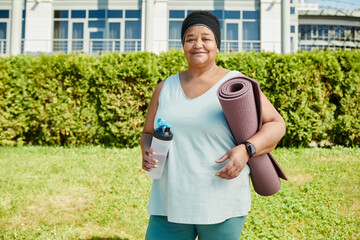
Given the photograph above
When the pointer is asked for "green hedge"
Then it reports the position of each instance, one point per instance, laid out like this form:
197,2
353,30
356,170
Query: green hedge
81,99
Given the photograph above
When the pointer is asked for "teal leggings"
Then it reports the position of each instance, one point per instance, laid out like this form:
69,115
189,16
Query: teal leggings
160,228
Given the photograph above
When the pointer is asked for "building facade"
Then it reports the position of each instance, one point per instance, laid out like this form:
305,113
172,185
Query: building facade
97,26
328,29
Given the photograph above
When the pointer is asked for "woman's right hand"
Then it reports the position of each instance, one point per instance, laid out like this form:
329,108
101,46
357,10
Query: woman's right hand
147,161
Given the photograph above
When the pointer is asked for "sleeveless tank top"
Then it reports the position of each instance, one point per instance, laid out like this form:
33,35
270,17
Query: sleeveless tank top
189,192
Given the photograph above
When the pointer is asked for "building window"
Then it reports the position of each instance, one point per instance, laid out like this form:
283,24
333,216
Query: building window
301,32
232,14
97,31
292,29
97,24
115,13
322,31
250,32
132,30
175,34
3,27
351,33
232,37
251,36
61,30
308,32
314,31
133,14
176,18
77,36
292,10
218,13
331,33
251,15
97,13
321,36
305,32
4,14
177,14
342,33
132,34
78,14
61,14
115,36
326,32
4,24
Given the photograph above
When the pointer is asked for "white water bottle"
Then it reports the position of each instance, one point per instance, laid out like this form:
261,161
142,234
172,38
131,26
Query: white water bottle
160,144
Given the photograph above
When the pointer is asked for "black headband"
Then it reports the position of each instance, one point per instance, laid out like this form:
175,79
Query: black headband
205,20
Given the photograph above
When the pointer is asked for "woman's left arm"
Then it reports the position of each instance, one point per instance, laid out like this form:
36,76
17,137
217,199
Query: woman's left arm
272,130
265,140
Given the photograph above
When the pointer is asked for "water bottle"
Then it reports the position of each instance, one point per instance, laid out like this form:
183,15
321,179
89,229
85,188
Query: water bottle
160,144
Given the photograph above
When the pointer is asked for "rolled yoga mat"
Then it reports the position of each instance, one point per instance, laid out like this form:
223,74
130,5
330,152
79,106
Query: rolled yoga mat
241,102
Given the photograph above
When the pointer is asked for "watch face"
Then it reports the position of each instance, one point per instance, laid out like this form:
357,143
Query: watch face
250,149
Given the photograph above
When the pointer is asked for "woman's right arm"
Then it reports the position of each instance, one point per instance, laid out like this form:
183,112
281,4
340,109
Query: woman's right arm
145,141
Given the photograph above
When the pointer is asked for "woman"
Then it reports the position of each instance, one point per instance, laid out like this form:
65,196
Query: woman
205,187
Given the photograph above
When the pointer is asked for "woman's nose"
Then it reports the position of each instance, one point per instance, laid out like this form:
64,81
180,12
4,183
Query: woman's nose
198,43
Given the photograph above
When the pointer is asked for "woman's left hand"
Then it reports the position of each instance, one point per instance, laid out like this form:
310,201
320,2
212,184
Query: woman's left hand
238,157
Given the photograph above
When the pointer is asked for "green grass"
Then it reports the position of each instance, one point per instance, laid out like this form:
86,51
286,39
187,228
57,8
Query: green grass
99,193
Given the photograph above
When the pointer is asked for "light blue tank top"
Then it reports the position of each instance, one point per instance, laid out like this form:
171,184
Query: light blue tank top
189,192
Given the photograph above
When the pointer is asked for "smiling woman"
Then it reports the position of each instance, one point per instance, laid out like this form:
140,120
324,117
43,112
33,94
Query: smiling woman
200,46
193,197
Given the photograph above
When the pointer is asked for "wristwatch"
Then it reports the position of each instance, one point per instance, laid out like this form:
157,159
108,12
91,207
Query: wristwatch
250,148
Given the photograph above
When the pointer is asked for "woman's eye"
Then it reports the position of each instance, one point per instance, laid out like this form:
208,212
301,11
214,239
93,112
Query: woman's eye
190,40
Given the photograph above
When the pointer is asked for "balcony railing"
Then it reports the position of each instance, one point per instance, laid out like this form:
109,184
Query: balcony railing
96,46
226,45
313,44
100,46
3,47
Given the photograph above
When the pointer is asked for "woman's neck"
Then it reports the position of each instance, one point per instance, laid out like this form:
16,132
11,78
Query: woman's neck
194,72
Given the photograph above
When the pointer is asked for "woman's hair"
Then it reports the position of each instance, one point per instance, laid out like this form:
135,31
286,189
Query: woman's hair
205,13
204,18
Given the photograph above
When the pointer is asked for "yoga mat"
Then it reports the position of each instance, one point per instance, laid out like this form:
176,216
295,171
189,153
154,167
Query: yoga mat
241,102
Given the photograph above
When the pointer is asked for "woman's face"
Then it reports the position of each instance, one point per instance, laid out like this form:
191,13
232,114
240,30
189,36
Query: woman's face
200,46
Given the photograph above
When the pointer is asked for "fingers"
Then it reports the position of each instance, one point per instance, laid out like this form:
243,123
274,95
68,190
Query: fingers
238,158
149,162
227,172
149,151
231,170
223,158
147,165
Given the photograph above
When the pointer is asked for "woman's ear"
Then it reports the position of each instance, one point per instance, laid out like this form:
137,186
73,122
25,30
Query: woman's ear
217,50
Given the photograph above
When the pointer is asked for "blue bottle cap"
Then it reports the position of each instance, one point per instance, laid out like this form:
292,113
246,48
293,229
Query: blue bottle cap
163,131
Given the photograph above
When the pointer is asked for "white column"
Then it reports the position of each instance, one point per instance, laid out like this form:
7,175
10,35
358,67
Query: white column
39,26
161,25
16,18
270,25
285,26
149,9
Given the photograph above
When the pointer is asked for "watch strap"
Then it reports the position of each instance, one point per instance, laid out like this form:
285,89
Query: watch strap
250,148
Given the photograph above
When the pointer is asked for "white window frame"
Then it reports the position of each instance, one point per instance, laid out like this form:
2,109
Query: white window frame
5,43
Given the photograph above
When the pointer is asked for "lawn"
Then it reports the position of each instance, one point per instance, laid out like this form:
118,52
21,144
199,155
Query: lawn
102,193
